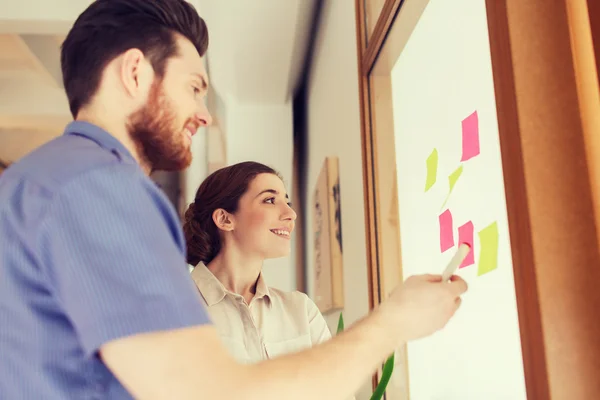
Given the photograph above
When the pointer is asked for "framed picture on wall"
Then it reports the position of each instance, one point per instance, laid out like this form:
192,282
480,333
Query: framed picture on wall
328,248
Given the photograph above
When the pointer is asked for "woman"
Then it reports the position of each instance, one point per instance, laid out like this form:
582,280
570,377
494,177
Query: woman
240,217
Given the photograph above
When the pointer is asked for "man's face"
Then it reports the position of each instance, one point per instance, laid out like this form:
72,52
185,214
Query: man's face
164,126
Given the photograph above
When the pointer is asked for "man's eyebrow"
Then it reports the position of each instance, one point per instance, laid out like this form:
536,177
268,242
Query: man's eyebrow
202,79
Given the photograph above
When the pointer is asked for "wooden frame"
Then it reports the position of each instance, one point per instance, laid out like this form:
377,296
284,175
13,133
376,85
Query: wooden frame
584,20
548,123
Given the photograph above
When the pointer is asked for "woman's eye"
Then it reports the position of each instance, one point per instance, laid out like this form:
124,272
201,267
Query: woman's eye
270,200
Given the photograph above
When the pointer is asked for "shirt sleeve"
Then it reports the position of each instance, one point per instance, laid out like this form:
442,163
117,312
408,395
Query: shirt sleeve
114,260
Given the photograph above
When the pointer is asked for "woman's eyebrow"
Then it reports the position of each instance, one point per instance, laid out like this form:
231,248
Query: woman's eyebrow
273,191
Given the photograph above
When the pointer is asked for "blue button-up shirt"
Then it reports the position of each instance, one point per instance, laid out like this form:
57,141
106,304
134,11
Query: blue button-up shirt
90,251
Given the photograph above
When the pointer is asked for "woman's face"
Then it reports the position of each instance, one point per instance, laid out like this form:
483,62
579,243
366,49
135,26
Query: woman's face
264,221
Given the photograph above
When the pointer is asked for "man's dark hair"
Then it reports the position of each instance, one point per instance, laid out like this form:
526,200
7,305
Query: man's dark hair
108,28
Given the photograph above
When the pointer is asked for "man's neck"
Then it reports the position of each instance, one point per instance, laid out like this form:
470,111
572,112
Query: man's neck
118,130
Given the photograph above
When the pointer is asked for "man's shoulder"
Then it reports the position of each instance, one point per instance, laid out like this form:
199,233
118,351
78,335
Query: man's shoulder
68,158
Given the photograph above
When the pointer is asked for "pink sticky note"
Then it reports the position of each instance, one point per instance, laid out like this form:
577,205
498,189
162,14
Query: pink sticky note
470,137
446,231
465,235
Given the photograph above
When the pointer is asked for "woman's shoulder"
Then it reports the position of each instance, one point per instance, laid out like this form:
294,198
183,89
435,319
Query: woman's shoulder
291,299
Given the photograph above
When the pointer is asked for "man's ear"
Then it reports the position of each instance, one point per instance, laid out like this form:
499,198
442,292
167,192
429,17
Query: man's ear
223,220
133,72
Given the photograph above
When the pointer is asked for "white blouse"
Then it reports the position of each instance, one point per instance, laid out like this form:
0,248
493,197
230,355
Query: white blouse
274,323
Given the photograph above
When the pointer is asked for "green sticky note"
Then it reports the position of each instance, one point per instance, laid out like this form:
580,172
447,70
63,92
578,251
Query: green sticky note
432,166
488,253
452,179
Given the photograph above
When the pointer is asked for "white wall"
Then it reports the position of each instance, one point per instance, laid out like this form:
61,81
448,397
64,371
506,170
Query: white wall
334,130
198,169
262,133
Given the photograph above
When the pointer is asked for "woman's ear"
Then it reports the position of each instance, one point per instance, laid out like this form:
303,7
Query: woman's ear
222,220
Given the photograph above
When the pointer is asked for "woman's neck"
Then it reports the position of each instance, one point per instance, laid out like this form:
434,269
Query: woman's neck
236,273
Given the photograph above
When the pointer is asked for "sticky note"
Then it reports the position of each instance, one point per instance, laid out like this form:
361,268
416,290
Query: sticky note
432,166
465,235
452,179
446,231
470,137
488,253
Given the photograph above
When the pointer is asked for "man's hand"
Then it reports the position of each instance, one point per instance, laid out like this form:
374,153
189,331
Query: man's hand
422,305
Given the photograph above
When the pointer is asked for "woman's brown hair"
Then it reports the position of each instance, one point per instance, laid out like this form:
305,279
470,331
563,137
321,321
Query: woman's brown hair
221,189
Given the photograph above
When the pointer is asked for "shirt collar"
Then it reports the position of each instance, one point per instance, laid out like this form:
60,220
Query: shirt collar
213,290
98,135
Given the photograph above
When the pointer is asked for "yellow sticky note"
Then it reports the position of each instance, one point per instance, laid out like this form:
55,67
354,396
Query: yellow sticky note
432,166
452,179
488,253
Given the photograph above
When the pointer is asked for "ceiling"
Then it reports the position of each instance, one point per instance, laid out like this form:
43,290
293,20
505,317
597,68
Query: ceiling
256,55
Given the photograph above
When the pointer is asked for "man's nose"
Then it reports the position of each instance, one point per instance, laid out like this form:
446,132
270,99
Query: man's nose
204,116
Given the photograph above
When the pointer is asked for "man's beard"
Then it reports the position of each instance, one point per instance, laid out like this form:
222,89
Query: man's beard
161,144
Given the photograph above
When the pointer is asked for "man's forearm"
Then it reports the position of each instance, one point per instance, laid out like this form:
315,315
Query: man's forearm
192,363
331,370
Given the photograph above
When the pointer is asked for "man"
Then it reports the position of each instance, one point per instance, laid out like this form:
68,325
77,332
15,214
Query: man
95,297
